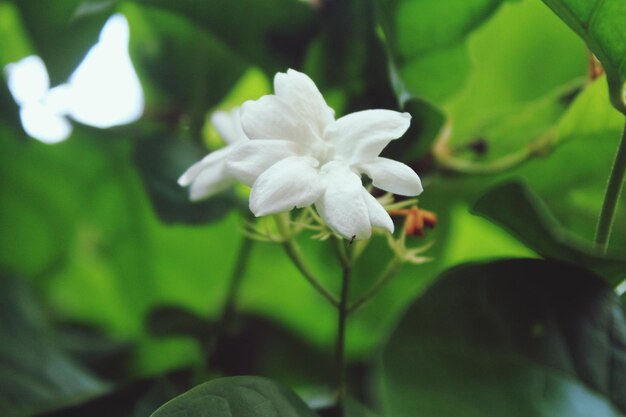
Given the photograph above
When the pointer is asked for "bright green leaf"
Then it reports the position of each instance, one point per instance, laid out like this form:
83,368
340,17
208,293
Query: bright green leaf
513,338
239,396
601,24
426,40
521,212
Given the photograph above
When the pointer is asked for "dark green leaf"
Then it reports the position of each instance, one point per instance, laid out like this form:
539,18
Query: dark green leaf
271,33
236,397
601,24
169,321
161,162
509,338
139,398
521,212
36,374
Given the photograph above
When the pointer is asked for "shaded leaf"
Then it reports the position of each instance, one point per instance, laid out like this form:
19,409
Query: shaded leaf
139,398
36,374
601,24
271,33
234,397
509,338
521,212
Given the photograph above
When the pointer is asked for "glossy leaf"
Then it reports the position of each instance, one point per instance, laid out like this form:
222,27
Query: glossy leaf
237,397
601,24
521,212
509,338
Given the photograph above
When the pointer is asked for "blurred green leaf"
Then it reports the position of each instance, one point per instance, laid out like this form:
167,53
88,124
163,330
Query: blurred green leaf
187,69
521,212
246,345
36,374
161,161
600,23
431,58
509,338
270,33
237,397
590,114
138,398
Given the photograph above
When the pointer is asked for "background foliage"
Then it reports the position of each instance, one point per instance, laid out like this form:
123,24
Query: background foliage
113,283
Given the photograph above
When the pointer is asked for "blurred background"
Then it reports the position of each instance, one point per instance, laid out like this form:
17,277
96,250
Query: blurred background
112,281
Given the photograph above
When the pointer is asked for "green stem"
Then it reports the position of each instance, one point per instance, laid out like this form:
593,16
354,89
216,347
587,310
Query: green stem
341,332
295,254
236,277
390,271
611,196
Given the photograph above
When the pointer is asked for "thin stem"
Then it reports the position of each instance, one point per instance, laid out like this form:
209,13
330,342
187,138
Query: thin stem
390,271
611,196
341,332
295,254
234,284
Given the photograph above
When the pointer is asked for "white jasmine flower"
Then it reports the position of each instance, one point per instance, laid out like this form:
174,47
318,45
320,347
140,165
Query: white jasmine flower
300,155
210,176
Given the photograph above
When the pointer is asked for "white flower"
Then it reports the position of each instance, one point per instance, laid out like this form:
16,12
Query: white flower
210,175
300,155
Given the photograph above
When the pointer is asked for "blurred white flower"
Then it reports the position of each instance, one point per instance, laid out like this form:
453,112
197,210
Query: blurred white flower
29,85
103,91
299,155
210,175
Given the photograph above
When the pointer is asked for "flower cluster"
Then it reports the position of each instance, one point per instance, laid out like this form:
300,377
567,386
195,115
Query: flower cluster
293,153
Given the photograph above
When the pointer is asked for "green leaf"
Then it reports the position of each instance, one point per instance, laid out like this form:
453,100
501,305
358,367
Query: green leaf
36,374
516,208
270,33
513,338
189,69
601,25
432,58
237,397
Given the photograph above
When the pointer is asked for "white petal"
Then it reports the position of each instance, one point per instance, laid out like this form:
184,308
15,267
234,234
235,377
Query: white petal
393,176
377,213
43,124
271,117
209,182
342,205
27,79
105,89
292,182
361,136
303,95
247,160
228,125
214,159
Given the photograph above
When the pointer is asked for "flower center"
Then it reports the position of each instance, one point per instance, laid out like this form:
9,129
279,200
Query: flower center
322,151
